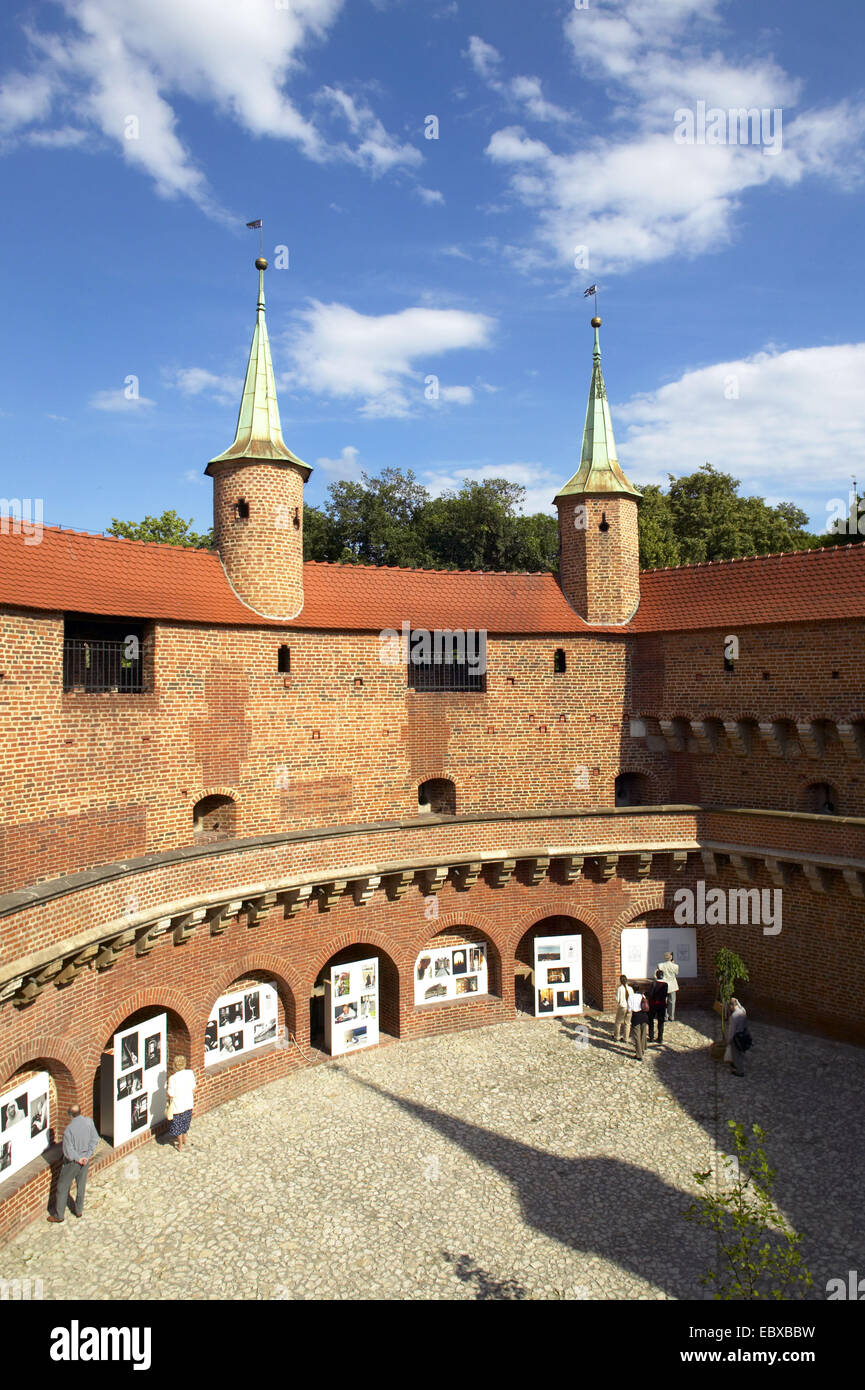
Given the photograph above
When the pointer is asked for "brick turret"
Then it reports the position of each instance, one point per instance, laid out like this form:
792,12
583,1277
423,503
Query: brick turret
258,492
599,551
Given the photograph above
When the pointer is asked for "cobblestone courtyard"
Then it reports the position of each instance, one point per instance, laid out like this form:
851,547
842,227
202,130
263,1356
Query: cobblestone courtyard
507,1162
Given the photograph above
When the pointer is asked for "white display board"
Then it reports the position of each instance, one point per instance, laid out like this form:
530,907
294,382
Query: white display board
351,1007
24,1113
450,972
558,976
240,1022
643,950
133,1080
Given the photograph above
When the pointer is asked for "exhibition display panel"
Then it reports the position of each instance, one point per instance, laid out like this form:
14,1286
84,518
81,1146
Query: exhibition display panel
351,1007
23,1123
133,1080
450,972
240,1022
643,949
558,976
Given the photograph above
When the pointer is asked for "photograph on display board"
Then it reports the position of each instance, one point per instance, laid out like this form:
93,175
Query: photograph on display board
129,1085
230,1014
367,1006
38,1115
467,984
559,975
251,1008
567,998
210,1038
152,1052
232,1042
5,1156
369,977
14,1111
424,967
345,1013
265,1032
545,1001
476,958
129,1052
442,966
138,1112
355,1036
459,962
436,992
550,953
342,984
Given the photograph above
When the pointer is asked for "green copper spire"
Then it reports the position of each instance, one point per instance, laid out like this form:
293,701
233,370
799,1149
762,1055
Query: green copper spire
259,433
599,470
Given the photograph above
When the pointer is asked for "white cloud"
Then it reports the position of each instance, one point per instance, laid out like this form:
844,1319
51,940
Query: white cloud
344,467
456,395
197,381
788,423
520,91
122,60
119,402
429,195
380,360
632,195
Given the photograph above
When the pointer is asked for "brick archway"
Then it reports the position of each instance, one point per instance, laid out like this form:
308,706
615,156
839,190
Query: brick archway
288,983
500,978
395,972
60,1059
564,924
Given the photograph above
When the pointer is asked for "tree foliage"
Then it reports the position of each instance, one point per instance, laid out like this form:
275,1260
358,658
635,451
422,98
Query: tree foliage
167,529
393,520
758,1250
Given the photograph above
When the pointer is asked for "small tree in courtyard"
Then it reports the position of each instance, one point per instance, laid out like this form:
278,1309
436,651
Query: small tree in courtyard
758,1251
728,969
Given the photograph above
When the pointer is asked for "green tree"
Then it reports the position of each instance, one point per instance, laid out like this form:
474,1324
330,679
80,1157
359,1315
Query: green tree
659,548
712,522
167,529
758,1251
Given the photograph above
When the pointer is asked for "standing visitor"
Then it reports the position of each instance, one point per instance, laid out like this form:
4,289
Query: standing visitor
657,1006
638,1005
79,1145
181,1088
670,972
738,1038
623,1013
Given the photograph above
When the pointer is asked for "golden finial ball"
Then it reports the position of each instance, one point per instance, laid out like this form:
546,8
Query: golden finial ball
261,263
596,323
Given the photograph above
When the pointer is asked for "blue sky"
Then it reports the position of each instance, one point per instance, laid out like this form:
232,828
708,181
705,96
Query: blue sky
138,137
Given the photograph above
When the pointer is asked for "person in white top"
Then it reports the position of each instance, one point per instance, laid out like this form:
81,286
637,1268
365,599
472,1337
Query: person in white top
623,1013
670,971
181,1093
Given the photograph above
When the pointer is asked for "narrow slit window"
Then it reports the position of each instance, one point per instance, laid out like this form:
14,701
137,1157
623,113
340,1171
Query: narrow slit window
284,660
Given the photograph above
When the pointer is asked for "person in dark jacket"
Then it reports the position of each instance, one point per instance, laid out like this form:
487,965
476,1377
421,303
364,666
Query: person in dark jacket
657,1006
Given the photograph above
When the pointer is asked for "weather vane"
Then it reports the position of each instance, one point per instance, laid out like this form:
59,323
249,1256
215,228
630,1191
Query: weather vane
254,225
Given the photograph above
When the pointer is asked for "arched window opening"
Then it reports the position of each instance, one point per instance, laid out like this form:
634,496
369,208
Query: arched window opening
241,510
214,817
560,661
437,797
603,525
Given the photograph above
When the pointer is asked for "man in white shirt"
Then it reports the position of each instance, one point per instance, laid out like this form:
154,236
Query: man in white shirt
670,971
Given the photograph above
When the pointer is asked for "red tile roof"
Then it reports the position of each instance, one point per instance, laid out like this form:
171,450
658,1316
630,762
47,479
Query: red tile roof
75,572
797,587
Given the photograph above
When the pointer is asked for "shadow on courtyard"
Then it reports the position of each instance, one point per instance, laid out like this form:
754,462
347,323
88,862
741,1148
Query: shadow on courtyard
596,1206
805,1093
